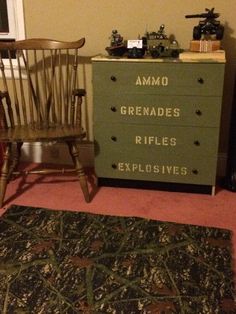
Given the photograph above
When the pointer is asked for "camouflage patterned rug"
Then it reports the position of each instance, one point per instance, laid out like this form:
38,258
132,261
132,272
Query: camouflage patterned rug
70,262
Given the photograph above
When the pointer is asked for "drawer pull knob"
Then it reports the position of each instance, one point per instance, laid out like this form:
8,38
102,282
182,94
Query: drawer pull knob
113,109
197,143
113,78
114,138
195,171
198,112
114,166
200,80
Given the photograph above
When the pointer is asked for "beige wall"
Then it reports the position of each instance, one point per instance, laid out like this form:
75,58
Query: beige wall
94,20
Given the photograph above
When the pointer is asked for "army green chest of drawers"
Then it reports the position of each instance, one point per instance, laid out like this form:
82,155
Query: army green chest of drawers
157,120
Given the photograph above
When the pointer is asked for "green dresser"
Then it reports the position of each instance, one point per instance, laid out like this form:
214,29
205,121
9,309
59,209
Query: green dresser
157,119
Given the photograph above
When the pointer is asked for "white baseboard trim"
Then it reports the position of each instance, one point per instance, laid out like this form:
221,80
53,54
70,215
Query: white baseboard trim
58,153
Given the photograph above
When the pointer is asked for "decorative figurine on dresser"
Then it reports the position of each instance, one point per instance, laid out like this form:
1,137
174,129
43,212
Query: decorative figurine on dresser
157,120
158,44
208,26
118,47
209,32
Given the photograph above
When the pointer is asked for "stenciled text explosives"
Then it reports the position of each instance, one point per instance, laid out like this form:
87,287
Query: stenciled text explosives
152,168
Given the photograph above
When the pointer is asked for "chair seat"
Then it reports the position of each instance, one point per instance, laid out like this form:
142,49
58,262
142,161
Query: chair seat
32,134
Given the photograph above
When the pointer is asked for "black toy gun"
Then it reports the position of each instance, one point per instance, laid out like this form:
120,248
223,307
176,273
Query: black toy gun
209,15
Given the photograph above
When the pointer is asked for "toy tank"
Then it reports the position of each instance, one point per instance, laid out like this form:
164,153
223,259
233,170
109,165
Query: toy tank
159,45
208,26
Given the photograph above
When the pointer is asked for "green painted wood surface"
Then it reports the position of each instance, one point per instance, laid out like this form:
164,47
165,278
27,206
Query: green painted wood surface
157,110
161,78
193,170
157,121
147,140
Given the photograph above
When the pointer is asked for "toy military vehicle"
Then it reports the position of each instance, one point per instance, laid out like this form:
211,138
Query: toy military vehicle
117,45
208,26
159,45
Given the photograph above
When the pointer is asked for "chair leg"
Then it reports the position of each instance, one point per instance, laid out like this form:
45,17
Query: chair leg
5,172
15,160
74,152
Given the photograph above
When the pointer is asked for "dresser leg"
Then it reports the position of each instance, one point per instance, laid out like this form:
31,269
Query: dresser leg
213,190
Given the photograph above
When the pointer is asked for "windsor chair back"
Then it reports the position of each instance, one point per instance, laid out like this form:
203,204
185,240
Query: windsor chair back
40,102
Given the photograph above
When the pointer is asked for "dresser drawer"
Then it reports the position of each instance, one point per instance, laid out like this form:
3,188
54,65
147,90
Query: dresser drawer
192,171
146,141
159,110
163,78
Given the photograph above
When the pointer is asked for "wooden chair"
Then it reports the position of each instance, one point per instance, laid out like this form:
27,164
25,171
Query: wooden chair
41,102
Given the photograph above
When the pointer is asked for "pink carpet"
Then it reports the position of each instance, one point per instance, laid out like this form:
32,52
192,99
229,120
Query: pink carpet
63,193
